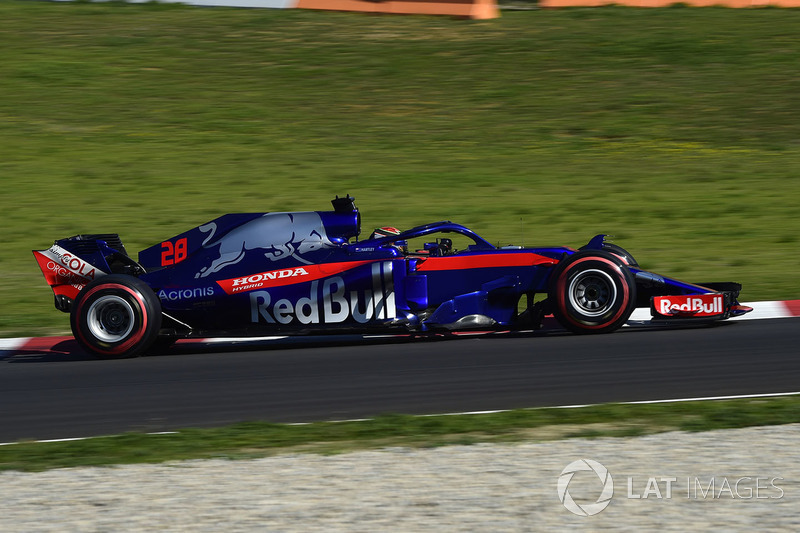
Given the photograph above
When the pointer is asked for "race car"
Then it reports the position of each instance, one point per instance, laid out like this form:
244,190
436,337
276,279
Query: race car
299,273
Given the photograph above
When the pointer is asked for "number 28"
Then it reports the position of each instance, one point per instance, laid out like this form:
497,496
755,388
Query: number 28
173,254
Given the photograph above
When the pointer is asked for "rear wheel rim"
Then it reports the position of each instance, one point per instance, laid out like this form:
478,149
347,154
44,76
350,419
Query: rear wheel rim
592,292
110,319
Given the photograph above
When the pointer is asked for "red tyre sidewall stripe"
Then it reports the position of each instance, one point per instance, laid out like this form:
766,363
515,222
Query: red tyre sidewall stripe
136,296
562,283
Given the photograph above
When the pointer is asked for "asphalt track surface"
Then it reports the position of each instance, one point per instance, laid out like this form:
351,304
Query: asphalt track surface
64,393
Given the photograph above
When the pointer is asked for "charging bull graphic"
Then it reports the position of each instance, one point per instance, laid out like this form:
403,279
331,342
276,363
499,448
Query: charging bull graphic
279,235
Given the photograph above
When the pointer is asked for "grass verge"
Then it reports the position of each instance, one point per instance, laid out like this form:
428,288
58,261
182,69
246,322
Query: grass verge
259,439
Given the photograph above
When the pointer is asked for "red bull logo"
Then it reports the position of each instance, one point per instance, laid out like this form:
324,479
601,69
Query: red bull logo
330,302
694,305
278,236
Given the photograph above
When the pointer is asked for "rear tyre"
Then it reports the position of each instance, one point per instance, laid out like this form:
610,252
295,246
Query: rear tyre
592,292
116,316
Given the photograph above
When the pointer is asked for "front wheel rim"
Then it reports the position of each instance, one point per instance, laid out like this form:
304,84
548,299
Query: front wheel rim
592,292
110,319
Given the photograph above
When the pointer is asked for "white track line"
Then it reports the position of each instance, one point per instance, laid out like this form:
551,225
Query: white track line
639,402
72,439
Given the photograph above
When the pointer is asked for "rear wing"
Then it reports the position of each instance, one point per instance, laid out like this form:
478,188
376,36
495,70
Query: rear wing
71,263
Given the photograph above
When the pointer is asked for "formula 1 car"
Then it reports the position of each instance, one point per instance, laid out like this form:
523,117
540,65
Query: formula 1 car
307,272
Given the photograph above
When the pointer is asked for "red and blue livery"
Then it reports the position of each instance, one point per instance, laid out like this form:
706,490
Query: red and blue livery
297,273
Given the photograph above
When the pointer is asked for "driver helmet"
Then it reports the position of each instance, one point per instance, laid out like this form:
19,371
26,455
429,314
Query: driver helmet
387,231
384,231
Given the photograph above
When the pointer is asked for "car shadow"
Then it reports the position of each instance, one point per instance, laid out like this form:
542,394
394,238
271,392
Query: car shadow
67,350
63,351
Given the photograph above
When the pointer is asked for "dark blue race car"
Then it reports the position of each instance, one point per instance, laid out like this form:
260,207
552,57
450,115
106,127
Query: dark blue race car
307,272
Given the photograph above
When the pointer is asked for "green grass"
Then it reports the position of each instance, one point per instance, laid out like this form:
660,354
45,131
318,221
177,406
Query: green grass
676,130
259,439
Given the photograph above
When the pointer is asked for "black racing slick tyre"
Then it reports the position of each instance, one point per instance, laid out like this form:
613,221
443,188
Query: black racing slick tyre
116,316
622,253
592,292
619,251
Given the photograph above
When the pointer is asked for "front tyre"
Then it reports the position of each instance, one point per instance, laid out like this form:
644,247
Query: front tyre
592,292
116,316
